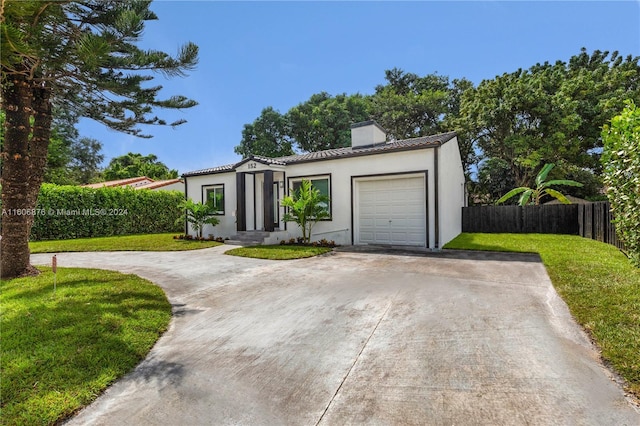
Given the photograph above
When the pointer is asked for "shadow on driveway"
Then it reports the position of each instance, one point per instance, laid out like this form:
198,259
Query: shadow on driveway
445,254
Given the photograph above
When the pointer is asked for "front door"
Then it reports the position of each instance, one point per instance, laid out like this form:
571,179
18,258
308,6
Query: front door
258,206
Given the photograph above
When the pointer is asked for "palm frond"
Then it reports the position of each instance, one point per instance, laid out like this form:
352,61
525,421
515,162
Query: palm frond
510,194
557,195
566,182
543,173
525,197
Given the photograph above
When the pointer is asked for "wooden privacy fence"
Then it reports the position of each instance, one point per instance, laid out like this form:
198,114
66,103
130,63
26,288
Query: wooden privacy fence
594,221
590,220
544,219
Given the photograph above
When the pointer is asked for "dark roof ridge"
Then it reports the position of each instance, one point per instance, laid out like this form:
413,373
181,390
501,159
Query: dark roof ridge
337,153
437,138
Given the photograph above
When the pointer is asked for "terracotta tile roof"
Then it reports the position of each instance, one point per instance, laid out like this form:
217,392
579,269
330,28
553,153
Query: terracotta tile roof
337,153
158,184
119,182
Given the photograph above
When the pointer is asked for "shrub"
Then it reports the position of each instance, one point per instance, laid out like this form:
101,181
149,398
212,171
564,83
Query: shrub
198,215
305,207
64,212
300,242
621,162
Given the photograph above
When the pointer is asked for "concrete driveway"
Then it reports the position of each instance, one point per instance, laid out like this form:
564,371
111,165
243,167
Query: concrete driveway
358,338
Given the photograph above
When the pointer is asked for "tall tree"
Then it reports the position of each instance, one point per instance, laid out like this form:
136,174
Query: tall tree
81,56
73,160
409,106
70,161
135,164
324,121
406,106
86,157
550,113
492,181
268,135
452,120
59,152
58,157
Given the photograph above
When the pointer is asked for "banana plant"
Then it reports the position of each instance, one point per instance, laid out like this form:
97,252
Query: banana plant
534,195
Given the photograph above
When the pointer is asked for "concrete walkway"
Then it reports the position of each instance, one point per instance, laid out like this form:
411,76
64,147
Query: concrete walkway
358,338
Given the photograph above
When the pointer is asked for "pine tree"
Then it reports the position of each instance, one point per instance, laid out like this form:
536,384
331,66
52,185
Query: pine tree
80,56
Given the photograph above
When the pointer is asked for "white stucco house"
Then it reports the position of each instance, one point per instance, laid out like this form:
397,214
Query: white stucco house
399,193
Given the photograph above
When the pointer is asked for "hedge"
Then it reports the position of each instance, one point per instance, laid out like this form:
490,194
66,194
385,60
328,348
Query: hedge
65,212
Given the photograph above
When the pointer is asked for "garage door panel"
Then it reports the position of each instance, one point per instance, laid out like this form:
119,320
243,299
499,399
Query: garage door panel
367,222
367,236
415,239
382,235
403,225
392,211
380,210
415,224
399,196
408,209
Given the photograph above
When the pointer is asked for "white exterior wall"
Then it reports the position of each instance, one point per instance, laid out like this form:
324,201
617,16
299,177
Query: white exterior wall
367,135
249,204
195,191
339,227
451,191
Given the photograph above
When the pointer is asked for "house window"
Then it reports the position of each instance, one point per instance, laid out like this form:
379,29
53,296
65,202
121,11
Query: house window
321,183
215,196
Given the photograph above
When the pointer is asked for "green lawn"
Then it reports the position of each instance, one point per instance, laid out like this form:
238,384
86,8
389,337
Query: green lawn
600,286
278,252
61,350
146,242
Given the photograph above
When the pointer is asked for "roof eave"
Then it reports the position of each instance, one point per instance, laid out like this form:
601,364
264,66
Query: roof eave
445,137
364,153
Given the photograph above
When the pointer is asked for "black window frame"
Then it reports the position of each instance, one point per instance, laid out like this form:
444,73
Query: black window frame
324,176
206,189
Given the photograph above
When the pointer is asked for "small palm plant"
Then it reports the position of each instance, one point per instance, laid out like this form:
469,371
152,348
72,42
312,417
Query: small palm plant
534,195
198,215
306,206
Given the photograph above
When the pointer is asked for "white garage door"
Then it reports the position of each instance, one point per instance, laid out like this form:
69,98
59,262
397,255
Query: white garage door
391,211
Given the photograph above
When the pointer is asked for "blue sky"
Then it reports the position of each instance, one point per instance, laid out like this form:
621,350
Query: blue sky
259,54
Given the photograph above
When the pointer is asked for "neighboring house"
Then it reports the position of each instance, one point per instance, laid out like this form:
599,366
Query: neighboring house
406,193
142,182
571,198
164,185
